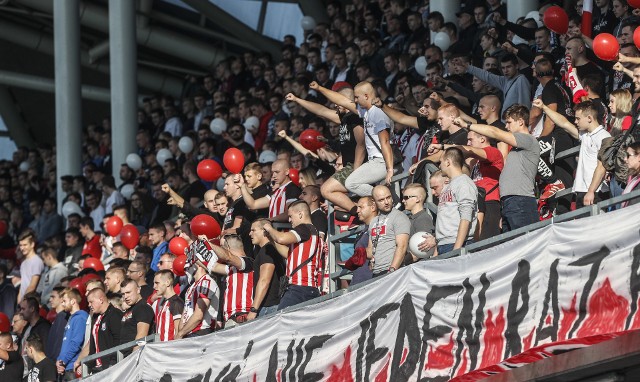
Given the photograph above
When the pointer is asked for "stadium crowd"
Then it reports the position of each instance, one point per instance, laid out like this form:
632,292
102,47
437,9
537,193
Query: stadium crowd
172,249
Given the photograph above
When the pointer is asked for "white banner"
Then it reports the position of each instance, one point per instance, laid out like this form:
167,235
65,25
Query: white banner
434,320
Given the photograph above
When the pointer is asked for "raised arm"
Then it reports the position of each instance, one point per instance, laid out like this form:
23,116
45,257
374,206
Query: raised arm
557,118
396,115
335,97
315,108
488,131
296,145
254,204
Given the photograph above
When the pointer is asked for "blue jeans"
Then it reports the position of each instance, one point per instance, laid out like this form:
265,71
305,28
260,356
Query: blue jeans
444,248
297,294
615,188
518,211
267,310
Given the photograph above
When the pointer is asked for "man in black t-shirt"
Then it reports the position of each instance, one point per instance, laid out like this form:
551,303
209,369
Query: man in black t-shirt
311,195
194,193
44,369
238,217
253,179
268,268
558,174
137,321
105,330
11,365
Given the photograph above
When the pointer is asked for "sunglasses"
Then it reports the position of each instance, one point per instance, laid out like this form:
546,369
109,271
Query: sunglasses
407,197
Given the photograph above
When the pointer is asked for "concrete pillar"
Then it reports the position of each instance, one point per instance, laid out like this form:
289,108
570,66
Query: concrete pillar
124,108
520,8
448,8
66,33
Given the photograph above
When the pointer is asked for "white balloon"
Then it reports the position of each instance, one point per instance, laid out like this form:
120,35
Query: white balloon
220,184
162,155
415,241
267,156
308,23
534,15
24,166
134,161
442,40
71,208
127,190
185,144
251,124
218,126
421,66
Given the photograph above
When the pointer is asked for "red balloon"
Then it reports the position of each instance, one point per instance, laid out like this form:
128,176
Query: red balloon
626,123
233,160
94,263
129,236
556,19
606,47
312,140
636,36
79,285
114,226
5,324
51,315
634,3
177,245
90,276
3,228
205,225
294,175
209,170
178,265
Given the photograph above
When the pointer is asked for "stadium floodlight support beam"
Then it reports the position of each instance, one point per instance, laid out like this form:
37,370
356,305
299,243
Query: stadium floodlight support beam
234,26
520,8
158,39
124,92
47,85
66,36
16,124
42,42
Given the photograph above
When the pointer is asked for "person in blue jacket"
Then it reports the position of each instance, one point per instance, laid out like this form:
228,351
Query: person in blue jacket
73,333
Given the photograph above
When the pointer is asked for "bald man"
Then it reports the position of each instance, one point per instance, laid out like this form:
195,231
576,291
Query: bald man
388,235
176,200
284,193
377,127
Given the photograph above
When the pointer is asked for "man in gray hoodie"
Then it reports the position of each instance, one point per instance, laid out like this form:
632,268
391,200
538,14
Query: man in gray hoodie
457,204
515,86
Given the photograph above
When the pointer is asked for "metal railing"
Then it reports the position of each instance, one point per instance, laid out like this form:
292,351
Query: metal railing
118,350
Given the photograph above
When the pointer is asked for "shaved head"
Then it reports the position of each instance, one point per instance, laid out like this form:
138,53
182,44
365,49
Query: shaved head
364,93
492,100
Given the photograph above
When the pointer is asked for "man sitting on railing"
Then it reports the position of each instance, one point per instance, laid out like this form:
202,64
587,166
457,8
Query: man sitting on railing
389,234
377,130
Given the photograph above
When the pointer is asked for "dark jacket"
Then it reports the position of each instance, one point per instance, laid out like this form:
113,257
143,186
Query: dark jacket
108,335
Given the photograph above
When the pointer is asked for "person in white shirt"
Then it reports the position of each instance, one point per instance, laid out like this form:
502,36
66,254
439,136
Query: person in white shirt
590,131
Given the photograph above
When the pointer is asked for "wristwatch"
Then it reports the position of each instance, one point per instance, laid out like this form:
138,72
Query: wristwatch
253,310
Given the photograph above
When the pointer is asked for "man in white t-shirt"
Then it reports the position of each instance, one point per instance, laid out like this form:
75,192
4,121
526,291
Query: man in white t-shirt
590,131
377,126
